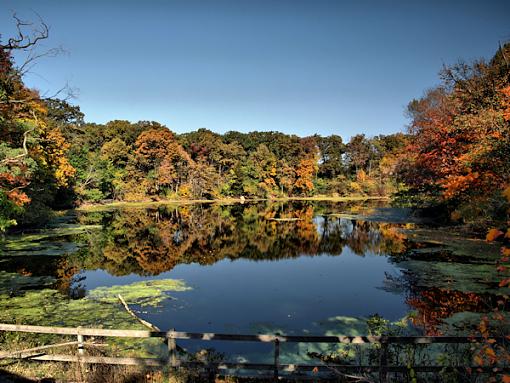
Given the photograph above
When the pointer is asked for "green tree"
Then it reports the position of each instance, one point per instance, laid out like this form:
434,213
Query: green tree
331,153
259,173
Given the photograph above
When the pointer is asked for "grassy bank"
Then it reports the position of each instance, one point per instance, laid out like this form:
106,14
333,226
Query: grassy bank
23,371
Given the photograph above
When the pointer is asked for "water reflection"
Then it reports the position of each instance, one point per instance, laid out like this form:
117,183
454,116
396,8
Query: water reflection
331,262
152,241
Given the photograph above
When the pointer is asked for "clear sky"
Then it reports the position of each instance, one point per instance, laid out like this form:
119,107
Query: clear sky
302,67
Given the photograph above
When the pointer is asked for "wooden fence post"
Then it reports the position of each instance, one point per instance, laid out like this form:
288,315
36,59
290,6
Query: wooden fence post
383,362
172,350
276,357
81,349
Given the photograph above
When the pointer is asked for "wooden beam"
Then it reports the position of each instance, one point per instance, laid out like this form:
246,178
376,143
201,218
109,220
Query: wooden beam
30,351
264,338
35,351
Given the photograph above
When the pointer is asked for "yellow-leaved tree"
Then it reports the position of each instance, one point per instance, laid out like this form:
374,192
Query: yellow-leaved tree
33,164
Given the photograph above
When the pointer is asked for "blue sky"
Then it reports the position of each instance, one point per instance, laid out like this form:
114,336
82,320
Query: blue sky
302,67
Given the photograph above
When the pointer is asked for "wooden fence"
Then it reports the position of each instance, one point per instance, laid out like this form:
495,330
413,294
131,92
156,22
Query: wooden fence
172,360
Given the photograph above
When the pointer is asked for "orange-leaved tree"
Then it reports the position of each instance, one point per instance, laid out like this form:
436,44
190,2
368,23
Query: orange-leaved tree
459,150
32,153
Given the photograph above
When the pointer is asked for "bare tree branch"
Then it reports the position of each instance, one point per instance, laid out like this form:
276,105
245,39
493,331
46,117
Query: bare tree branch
19,187
23,41
17,159
33,56
131,312
68,91
28,43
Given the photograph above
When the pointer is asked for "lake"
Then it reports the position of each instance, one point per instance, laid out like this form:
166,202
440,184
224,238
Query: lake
300,267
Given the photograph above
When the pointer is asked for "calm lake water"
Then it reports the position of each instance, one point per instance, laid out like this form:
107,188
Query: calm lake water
292,268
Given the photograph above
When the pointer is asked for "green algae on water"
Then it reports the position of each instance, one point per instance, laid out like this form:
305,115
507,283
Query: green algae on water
13,282
100,309
50,308
143,293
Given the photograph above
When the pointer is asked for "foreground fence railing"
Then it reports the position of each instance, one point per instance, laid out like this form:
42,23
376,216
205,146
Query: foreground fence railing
172,359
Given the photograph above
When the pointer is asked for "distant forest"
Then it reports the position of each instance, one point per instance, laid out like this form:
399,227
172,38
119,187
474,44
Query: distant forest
455,153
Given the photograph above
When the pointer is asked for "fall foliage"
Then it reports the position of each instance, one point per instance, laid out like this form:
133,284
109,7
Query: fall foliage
459,149
456,153
32,149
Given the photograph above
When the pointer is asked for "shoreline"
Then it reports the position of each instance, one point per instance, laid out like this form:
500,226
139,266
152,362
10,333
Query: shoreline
95,206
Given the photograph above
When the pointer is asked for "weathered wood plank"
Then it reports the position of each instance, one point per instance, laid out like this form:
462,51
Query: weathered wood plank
172,351
265,338
17,354
83,331
30,352
20,354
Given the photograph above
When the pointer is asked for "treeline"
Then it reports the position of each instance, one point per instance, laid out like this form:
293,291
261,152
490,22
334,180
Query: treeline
51,158
135,161
138,161
456,152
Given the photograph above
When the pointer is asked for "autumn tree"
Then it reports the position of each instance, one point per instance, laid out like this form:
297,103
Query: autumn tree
285,177
162,158
33,149
224,158
305,174
358,153
204,181
459,152
260,172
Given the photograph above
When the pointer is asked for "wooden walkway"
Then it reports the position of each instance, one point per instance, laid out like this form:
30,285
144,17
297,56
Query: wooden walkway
289,370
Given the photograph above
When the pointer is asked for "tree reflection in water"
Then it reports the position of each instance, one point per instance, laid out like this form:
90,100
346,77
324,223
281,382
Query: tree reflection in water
155,240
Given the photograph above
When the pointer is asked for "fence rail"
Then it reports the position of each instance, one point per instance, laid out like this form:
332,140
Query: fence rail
172,360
